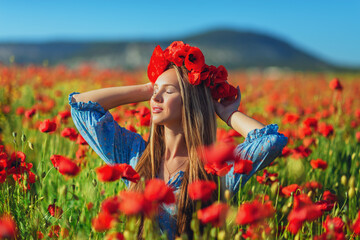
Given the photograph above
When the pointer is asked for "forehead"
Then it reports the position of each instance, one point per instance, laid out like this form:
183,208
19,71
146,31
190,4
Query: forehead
168,77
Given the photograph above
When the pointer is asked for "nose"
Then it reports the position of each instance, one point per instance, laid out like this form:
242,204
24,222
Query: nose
157,97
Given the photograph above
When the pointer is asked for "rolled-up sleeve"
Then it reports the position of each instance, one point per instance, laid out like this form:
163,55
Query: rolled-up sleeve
261,146
114,144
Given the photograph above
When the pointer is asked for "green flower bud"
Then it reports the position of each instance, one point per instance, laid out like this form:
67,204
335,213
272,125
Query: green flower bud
14,134
23,137
343,180
352,182
222,235
351,192
94,182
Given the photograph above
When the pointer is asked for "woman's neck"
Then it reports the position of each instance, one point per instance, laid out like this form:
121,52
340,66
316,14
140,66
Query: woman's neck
175,146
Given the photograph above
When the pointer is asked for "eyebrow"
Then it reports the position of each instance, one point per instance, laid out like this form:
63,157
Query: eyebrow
166,85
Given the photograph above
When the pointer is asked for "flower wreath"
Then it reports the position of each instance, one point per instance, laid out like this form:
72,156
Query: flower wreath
194,61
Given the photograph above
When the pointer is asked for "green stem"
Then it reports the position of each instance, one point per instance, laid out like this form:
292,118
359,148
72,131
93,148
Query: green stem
219,189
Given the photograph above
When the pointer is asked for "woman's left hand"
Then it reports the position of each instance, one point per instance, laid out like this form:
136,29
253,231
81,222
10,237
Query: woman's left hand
225,108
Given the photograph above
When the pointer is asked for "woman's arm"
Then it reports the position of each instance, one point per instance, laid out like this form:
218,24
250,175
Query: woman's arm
240,122
112,97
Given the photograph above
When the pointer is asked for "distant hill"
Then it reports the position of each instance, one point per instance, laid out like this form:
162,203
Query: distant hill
233,49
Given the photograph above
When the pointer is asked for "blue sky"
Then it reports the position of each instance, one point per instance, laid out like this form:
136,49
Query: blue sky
328,29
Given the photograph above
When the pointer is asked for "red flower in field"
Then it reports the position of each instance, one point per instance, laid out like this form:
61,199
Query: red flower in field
254,212
303,210
318,163
218,170
70,133
201,190
20,110
313,185
102,222
307,142
243,166
47,126
30,113
214,214
333,224
55,211
157,190
335,84
267,178
64,114
131,203
109,173
290,118
356,226
304,131
328,196
40,235
291,189
64,165
357,136
80,140
216,156
114,236
111,206
89,205
325,130
300,152
311,122
7,227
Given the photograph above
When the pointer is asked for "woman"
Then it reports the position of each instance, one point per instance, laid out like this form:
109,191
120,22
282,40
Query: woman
184,95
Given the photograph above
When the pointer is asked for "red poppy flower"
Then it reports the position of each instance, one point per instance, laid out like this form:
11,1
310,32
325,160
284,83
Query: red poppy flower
357,136
311,122
356,226
194,77
70,133
218,169
325,129
290,118
157,190
243,166
333,224
47,126
64,114
221,90
109,173
194,60
30,113
64,165
7,227
318,163
217,153
221,74
102,222
201,190
335,84
254,212
313,185
157,64
131,203
303,210
114,236
111,206
291,189
214,214
20,110
55,211
267,178
80,140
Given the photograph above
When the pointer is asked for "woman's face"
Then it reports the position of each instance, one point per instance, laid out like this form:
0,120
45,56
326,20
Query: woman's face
166,103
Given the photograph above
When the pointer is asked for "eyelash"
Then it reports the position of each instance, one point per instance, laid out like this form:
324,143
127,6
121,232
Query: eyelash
166,92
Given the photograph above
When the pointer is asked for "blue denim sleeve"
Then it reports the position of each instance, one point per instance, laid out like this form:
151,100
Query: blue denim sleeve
114,144
261,146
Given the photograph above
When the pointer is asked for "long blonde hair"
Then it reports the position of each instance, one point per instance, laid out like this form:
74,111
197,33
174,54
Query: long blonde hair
199,125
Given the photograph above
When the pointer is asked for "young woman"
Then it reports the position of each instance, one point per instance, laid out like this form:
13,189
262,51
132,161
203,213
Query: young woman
184,95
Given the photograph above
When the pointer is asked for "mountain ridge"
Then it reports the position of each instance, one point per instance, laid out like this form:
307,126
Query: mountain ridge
232,48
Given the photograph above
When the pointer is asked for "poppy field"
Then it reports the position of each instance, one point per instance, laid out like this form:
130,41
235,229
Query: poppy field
53,185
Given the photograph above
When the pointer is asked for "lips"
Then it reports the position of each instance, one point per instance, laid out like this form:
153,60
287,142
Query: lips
157,109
